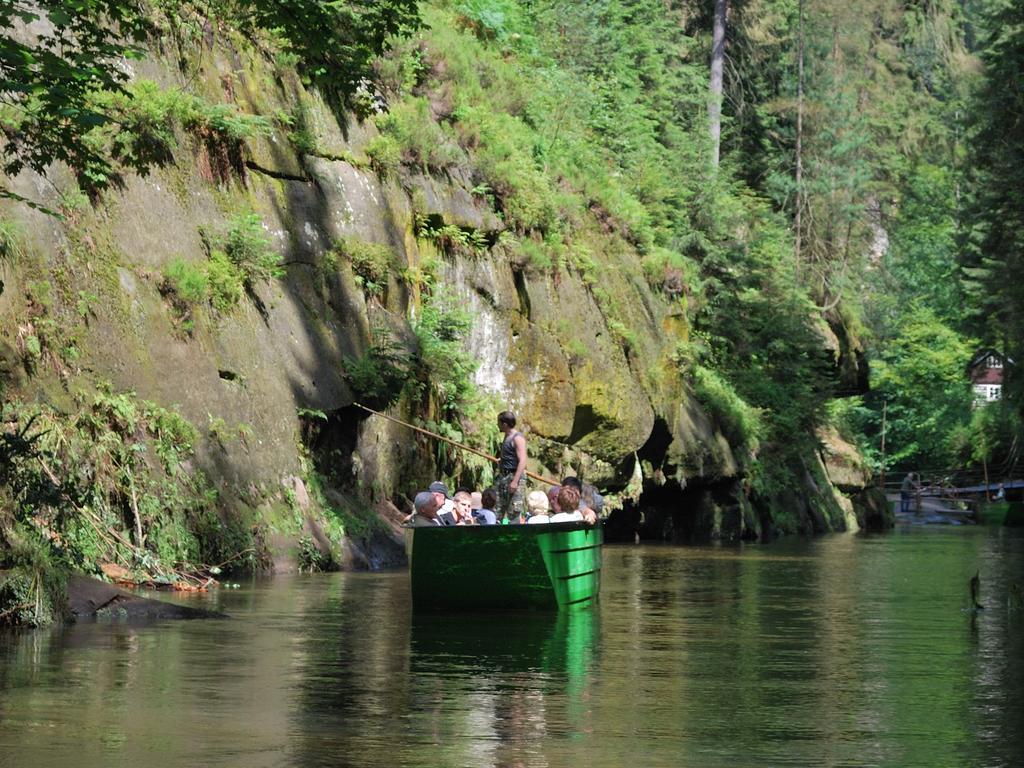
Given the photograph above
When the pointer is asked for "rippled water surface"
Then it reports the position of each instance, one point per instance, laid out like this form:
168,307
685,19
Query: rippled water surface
843,650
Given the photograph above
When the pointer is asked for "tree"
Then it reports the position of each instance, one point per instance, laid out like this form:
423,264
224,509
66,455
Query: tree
922,376
994,238
48,80
51,80
715,82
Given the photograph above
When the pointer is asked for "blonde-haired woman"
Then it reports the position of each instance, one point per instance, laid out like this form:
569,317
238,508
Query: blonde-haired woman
537,507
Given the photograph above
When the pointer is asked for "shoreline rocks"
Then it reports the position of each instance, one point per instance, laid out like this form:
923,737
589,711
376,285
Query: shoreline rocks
90,599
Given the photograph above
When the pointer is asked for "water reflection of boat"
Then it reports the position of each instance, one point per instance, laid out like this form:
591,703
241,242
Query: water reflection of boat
508,676
510,641
486,567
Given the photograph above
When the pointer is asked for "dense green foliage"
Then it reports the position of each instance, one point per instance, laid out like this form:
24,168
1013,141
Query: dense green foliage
920,374
624,148
64,84
994,236
379,376
107,484
142,125
112,480
903,226
239,260
898,189
49,81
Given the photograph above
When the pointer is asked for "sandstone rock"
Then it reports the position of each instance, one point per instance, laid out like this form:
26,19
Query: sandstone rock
301,494
584,354
843,462
90,598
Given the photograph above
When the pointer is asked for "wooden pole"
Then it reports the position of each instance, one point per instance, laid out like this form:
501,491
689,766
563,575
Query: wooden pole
460,446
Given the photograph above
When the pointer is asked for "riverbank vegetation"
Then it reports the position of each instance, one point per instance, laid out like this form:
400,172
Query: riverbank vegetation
109,483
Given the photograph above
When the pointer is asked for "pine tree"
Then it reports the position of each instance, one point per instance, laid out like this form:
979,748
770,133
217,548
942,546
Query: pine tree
994,240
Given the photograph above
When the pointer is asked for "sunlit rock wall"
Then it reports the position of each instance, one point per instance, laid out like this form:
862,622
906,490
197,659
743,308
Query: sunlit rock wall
591,403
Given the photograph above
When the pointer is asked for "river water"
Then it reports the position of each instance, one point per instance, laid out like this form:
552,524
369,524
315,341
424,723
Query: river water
841,650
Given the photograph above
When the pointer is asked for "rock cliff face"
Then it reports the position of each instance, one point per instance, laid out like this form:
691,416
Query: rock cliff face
595,399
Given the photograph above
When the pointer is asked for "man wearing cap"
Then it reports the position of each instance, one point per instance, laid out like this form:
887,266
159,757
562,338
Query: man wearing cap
425,514
445,506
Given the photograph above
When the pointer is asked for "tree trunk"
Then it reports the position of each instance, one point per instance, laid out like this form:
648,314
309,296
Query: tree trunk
717,63
799,130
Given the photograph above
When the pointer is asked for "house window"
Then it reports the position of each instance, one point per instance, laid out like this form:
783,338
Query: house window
987,393
993,362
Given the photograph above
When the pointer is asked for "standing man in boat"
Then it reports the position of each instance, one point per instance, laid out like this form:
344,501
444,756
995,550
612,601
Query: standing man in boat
511,466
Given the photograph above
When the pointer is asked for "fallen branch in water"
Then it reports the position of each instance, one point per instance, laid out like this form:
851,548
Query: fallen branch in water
218,566
13,610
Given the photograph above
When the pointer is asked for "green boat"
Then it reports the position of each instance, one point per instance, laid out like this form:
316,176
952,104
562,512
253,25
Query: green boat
504,567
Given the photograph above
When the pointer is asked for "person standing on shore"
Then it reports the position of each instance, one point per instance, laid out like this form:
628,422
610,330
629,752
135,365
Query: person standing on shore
511,467
906,491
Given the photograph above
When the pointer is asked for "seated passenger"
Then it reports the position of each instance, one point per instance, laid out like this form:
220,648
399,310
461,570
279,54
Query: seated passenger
567,517
445,505
488,501
593,499
569,498
553,498
463,508
537,507
424,510
589,512
563,517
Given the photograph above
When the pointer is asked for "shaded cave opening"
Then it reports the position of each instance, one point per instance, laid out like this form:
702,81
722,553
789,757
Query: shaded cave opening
664,512
668,510
330,439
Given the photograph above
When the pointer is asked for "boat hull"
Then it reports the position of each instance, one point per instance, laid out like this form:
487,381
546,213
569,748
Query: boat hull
504,567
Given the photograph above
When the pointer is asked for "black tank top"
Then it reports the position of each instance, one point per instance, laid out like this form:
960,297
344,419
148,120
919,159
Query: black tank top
508,460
